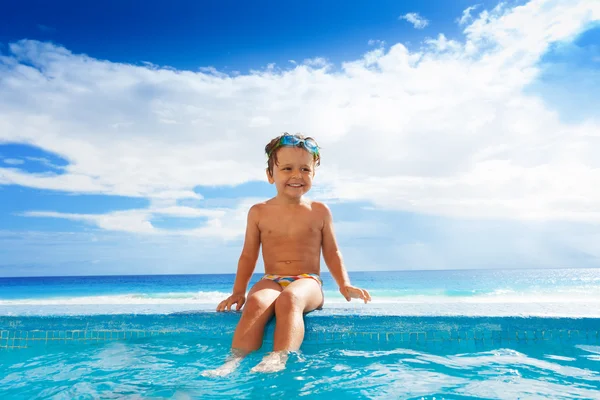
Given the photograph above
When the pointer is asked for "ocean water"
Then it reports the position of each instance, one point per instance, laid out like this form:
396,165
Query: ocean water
427,334
557,292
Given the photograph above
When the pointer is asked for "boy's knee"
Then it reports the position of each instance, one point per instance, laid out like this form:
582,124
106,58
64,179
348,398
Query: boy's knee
255,305
288,301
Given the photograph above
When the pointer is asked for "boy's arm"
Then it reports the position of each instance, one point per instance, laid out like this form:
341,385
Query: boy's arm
333,258
246,264
249,256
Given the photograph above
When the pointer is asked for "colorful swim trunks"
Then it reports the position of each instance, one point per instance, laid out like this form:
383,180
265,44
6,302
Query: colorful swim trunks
285,280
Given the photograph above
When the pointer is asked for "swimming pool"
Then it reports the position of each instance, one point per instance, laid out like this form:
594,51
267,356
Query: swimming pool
343,356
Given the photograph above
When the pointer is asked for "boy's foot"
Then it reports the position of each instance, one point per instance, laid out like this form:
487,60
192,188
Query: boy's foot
230,365
273,362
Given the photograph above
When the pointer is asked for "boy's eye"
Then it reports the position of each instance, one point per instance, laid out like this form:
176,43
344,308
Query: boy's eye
289,169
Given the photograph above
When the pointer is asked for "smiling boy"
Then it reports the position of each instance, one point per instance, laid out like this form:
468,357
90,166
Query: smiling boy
292,231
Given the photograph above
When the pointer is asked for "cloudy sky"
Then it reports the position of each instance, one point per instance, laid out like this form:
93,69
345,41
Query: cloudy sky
454,134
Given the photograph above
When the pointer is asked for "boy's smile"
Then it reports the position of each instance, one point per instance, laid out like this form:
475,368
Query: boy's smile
293,173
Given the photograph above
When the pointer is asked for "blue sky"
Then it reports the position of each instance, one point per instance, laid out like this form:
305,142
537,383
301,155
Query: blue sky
228,35
455,134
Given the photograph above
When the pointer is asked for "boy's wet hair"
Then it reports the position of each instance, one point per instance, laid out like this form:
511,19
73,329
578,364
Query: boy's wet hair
271,150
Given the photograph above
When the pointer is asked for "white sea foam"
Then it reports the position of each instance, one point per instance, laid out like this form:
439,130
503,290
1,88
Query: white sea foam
499,303
138,298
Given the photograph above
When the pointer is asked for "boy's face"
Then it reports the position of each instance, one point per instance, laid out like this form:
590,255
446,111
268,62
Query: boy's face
294,172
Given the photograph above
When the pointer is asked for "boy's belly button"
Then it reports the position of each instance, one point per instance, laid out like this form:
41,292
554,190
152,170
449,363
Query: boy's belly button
289,261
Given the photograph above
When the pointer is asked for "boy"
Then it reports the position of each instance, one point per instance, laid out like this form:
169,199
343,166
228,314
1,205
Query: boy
292,232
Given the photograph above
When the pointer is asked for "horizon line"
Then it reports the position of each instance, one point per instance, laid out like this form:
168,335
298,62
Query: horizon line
323,272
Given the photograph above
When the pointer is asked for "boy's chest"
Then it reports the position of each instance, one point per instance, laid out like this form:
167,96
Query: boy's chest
290,226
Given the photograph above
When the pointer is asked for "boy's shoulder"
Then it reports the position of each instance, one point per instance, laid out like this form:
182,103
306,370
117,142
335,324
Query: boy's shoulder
255,208
319,206
322,210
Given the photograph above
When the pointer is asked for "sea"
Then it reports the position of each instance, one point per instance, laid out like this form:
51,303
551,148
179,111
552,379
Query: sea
452,334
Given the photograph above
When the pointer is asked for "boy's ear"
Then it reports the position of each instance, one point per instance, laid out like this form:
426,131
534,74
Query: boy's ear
270,177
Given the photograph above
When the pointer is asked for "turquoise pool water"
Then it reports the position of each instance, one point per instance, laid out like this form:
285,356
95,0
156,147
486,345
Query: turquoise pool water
445,334
344,356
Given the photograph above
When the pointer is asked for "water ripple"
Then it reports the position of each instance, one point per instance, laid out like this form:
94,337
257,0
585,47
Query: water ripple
169,368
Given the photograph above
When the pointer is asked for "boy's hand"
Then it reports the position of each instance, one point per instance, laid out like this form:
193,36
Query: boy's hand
226,304
352,292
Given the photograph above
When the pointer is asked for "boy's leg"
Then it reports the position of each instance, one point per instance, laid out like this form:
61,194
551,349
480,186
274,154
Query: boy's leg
298,298
257,311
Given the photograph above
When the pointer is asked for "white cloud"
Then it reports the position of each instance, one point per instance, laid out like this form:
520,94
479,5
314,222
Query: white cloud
13,161
130,220
44,161
448,129
317,62
258,121
443,44
415,19
376,42
227,224
466,15
97,252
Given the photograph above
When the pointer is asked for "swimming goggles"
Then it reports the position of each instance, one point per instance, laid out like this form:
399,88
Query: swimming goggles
293,141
